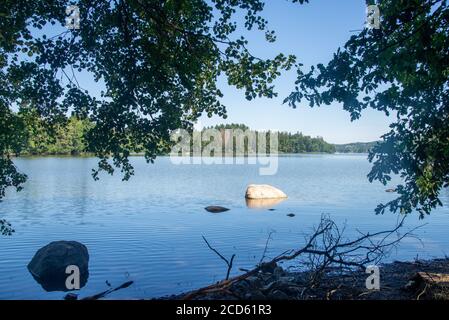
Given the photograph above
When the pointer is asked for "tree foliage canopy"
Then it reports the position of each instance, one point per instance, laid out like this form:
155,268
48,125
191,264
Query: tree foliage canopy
159,62
400,69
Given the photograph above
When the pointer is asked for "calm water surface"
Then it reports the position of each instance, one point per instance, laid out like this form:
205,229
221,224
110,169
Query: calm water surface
149,229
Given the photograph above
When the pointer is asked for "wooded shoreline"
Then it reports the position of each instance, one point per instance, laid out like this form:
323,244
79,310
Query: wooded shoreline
37,138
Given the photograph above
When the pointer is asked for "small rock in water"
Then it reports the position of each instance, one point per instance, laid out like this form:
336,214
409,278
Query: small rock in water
291,215
216,209
271,209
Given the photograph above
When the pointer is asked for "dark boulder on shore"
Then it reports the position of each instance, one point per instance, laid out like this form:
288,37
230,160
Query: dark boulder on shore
216,209
49,264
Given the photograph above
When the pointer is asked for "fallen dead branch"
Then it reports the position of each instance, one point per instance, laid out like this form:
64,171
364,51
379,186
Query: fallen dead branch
325,248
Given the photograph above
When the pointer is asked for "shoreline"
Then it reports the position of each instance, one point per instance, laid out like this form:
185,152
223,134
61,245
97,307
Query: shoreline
399,280
88,155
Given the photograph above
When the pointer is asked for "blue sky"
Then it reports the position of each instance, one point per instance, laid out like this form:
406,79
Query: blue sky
312,32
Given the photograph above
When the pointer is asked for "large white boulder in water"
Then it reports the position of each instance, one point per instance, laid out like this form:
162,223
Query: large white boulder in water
263,191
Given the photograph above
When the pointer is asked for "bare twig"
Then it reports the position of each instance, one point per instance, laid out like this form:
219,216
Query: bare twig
265,249
228,262
105,293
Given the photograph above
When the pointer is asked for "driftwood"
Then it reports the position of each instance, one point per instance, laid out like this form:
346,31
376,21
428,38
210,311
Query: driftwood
324,249
105,293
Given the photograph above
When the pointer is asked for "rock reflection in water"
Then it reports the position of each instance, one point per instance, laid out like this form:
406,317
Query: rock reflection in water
263,203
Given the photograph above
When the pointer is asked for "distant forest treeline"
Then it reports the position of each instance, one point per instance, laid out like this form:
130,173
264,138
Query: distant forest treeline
299,143
36,139
356,147
290,142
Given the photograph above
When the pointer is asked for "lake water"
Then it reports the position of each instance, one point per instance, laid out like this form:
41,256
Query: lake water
149,229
